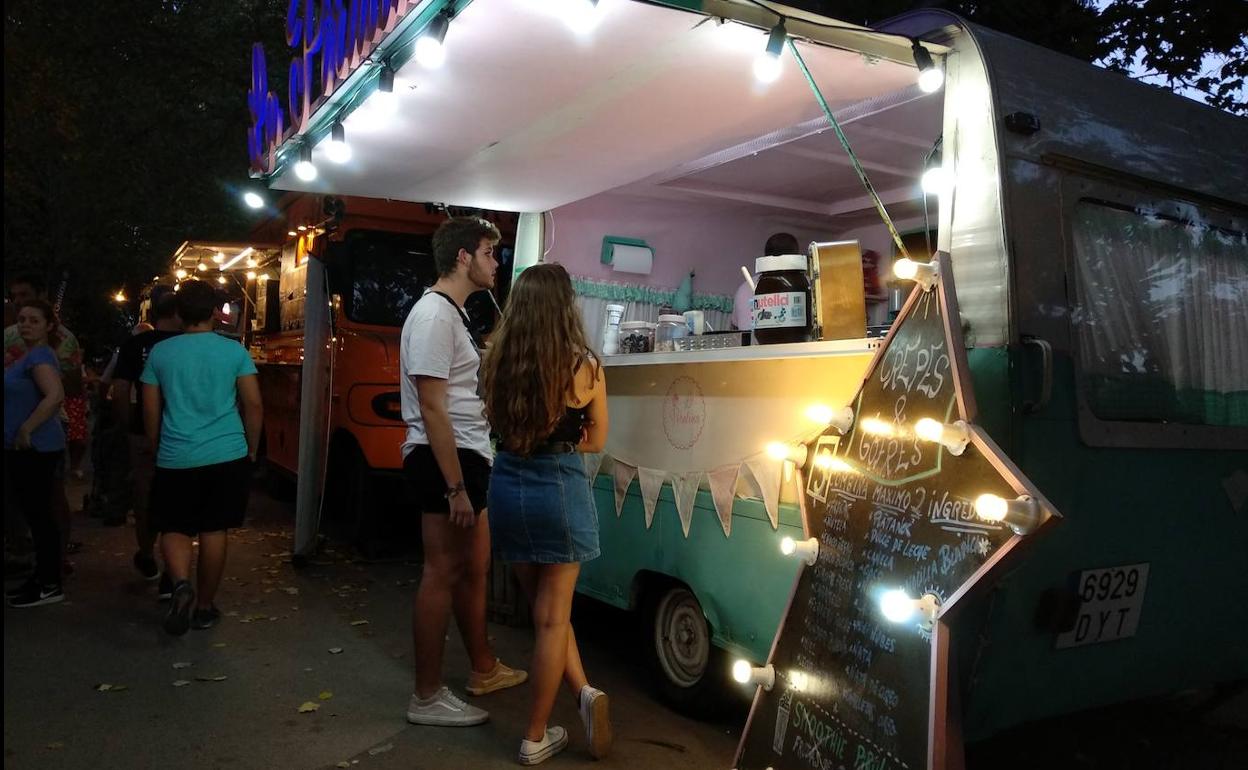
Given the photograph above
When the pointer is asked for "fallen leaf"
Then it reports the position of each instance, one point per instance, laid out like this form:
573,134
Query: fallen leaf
325,695
307,671
382,749
308,707
293,591
359,622
181,682
335,650
110,687
217,678
219,645
183,664
54,745
343,763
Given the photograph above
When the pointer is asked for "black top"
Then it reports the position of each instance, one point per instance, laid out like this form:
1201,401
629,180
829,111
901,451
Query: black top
131,359
569,426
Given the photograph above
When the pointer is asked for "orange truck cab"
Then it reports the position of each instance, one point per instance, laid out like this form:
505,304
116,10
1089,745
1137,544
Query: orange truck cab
378,259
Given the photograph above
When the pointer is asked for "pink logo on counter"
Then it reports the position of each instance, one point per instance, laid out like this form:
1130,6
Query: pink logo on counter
684,413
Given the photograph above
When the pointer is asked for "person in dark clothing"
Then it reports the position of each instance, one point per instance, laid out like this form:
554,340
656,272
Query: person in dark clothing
129,413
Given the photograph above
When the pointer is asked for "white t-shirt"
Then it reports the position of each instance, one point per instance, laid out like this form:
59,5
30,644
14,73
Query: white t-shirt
436,343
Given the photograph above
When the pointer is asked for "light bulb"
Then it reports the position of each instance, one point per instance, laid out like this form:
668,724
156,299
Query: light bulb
1021,514
794,453
177,286
384,101
201,267
252,262
767,67
876,427
180,273
924,273
807,550
937,181
253,199
581,15
119,296
430,48
337,149
896,606
841,419
306,170
251,275
931,80
953,437
830,462
763,676
225,309
218,257
221,279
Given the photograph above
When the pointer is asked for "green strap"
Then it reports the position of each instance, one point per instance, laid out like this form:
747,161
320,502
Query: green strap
862,175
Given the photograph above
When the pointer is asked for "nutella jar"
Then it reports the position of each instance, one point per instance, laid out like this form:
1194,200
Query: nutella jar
781,309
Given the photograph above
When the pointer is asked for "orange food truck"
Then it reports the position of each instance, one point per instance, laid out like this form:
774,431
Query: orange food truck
378,258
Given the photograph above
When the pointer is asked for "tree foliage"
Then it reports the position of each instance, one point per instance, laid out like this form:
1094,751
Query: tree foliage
1195,47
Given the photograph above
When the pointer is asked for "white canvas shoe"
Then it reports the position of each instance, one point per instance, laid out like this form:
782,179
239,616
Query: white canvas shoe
597,720
445,709
535,752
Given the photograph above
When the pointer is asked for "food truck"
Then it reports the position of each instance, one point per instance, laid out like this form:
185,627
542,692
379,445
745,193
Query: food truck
1096,235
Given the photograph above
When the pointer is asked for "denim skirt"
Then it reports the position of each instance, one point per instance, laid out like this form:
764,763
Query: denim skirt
542,509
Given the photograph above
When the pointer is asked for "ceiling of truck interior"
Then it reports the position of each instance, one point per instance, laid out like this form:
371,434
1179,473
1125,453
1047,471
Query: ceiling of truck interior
527,115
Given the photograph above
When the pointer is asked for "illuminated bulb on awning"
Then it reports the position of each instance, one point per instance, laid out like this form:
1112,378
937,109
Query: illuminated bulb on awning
580,15
1021,514
384,101
253,199
953,437
201,267
830,462
337,149
876,427
305,169
767,66
807,550
842,419
924,273
931,78
938,181
763,676
180,273
430,48
221,279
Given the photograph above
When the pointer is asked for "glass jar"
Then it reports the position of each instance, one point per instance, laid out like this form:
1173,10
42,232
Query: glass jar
782,311
636,337
669,329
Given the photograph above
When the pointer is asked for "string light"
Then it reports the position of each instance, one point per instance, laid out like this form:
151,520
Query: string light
120,296
1021,514
180,273
953,437
762,676
924,273
251,275
221,279
218,257
807,550
827,461
876,427
201,267
292,233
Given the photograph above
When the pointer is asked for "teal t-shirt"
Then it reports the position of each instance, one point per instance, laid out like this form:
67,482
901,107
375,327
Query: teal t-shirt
200,423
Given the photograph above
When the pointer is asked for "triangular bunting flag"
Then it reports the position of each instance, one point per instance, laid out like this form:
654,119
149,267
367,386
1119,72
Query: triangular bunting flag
723,491
593,462
651,482
623,474
685,489
767,472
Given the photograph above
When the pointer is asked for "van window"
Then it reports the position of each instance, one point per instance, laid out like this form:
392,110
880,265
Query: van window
387,272
1162,315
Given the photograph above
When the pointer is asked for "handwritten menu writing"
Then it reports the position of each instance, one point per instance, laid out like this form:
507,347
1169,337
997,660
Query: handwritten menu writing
890,512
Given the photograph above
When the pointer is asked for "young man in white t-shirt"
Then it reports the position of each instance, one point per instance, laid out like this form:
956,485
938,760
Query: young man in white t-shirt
446,458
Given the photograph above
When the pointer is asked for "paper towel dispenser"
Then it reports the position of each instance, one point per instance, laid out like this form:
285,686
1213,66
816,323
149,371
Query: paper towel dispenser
627,255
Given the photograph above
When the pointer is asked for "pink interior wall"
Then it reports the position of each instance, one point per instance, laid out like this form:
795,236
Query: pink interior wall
712,239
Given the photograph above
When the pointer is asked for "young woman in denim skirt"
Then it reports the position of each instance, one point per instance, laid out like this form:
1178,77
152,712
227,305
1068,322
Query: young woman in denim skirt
546,397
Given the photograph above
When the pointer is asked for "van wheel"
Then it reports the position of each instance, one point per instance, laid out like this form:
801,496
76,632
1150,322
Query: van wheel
688,667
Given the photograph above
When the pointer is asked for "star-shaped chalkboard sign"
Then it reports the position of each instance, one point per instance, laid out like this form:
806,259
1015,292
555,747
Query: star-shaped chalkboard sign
908,506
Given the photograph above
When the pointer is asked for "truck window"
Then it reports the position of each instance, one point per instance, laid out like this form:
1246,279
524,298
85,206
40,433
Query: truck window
1161,316
387,273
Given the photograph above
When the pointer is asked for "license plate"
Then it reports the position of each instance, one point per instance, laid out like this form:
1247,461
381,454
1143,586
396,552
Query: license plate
1110,600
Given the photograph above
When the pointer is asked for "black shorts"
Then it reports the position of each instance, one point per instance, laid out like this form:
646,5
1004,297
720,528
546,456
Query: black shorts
207,498
428,485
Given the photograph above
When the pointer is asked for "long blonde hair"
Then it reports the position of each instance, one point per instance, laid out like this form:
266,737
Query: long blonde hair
529,372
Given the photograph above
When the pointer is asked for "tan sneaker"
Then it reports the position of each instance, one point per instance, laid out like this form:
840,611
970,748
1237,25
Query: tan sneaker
500,678
597,720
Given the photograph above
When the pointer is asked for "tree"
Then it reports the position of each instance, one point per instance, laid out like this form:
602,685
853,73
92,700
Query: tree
1196,48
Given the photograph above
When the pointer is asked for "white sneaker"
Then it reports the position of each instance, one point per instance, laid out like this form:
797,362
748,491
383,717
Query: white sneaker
535,752
597,721
443,708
